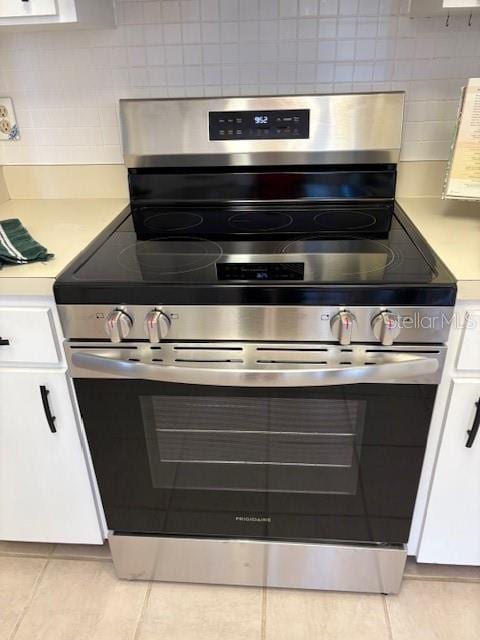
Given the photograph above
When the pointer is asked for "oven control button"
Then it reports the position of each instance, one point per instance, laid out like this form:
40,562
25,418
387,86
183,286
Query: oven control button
386,327
157,325
118,325
342,326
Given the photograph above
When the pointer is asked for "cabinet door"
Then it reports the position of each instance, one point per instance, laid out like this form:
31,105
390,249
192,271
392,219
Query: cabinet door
25,8
45,489
461,4
451,533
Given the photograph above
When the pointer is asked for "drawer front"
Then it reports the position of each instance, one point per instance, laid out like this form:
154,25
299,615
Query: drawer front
469,355
27,336
20,9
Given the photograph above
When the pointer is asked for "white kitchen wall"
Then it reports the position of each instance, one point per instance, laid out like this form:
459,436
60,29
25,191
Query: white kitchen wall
66,84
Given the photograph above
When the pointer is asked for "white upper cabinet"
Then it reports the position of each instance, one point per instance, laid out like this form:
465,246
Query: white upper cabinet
28,13
427,8
27,8
461,4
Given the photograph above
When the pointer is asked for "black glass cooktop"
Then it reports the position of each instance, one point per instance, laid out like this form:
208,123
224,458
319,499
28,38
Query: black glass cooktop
313,258
341,267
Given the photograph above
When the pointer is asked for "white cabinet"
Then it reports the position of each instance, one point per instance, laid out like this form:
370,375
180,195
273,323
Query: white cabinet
428,8
451,532
27,336
26,8
447,518
45,490
28,13
461,4
48,491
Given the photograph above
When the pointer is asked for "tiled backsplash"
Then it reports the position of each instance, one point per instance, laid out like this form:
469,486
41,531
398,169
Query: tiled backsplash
66,83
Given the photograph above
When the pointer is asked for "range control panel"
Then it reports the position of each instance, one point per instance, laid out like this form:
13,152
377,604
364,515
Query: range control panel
259,125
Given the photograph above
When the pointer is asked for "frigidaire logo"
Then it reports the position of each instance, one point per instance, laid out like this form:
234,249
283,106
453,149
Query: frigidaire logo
252,519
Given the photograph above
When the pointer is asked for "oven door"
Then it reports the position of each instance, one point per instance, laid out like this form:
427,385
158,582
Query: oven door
336,462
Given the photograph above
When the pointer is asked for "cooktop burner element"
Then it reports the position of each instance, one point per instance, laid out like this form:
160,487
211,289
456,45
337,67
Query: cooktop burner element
333,220
177,255
172,221
260,221
348,257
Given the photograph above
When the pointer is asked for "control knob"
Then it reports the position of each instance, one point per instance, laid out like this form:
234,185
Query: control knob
342,326
157,325
386,327
118,325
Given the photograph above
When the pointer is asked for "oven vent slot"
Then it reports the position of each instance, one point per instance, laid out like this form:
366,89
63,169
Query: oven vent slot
293,349
292,362
204,360
292,355
206,354
207,348
413,351
99,347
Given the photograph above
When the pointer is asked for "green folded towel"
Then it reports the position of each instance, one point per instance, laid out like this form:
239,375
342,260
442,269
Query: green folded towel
17,246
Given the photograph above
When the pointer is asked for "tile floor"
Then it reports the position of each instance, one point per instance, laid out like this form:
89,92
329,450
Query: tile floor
70,592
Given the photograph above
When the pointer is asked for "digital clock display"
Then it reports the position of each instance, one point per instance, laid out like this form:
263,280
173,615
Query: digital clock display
268,124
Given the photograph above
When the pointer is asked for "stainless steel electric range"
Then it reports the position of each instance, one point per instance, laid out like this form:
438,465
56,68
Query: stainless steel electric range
257,346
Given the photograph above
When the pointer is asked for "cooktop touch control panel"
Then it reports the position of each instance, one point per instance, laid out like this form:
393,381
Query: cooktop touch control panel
259,125
260,270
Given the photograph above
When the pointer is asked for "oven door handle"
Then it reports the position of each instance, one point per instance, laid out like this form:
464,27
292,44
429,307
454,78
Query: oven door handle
396,367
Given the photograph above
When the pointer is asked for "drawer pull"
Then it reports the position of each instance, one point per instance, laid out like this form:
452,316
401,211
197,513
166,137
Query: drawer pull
4,342
472,433
46,407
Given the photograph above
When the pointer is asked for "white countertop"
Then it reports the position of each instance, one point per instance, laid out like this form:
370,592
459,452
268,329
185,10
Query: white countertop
65,227
452,229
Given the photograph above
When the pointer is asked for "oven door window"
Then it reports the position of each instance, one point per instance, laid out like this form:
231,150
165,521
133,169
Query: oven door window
254,443
320,463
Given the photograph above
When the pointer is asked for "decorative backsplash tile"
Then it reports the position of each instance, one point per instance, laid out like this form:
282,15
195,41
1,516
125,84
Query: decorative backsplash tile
66,83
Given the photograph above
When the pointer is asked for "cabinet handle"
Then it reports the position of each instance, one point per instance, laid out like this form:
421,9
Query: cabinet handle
4,342
472,433
46,407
